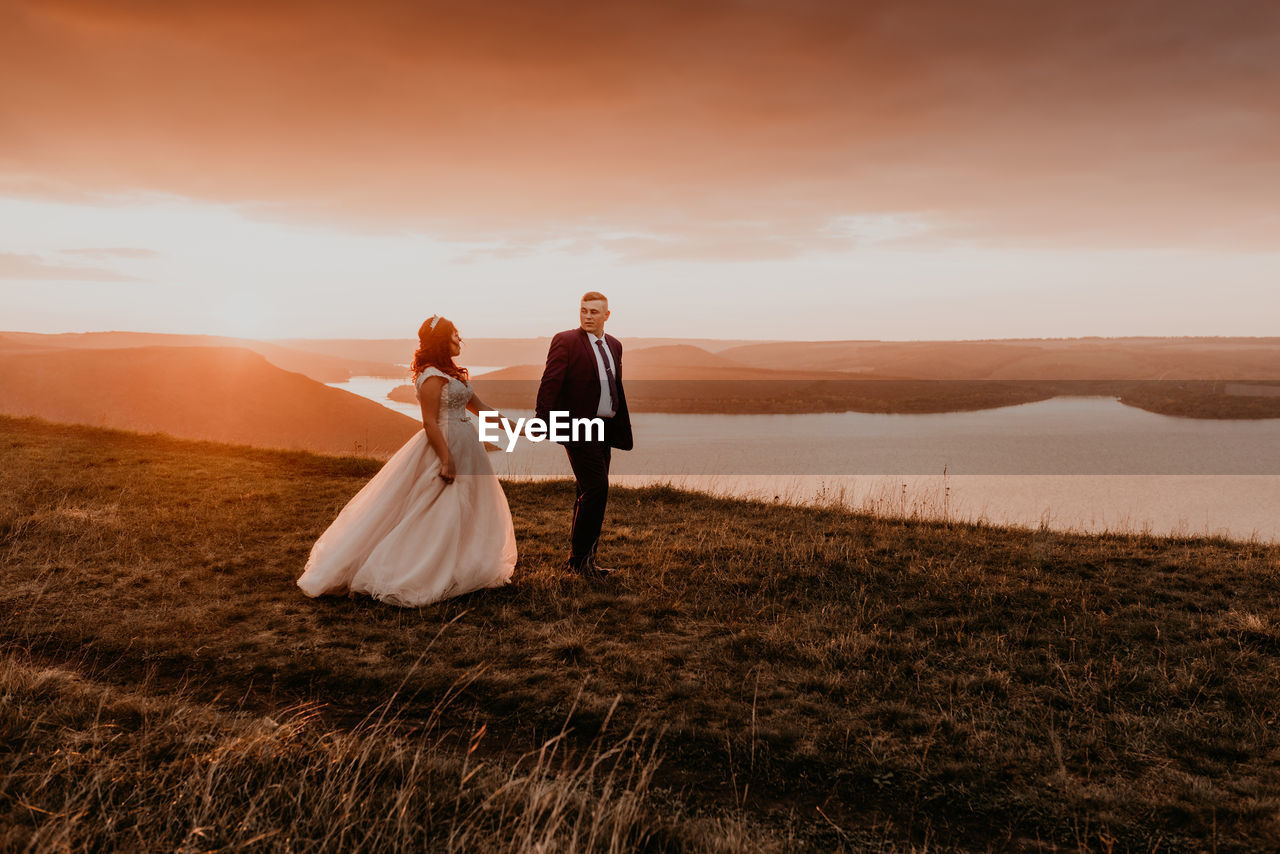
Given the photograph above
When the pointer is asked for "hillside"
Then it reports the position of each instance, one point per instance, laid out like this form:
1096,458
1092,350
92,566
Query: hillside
320,367
1057,360
676,362
755,678
221,394
687,379
1199,378
1187,377
1080,359
476,350
11,344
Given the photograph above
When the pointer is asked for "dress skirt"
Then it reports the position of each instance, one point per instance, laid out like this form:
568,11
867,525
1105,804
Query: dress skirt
408,538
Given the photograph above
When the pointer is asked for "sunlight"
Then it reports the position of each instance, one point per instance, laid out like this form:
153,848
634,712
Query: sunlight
241,315
170,264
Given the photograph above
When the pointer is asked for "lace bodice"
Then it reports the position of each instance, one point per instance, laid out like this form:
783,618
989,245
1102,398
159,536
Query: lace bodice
454,397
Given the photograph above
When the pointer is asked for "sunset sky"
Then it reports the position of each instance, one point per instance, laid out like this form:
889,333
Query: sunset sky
808,169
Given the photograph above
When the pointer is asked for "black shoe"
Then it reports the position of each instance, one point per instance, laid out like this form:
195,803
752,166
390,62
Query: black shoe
587,567
593,568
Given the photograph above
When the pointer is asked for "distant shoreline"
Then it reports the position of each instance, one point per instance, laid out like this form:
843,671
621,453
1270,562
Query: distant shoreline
1198,400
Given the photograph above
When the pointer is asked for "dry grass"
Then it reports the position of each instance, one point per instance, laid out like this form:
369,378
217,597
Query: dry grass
97,768
756,677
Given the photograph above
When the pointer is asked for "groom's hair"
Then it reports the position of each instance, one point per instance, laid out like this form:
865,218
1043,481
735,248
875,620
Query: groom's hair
592,296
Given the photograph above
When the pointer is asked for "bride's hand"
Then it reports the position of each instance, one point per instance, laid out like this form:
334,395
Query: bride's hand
447,473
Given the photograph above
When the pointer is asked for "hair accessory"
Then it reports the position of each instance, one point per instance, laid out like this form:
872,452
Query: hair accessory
435,318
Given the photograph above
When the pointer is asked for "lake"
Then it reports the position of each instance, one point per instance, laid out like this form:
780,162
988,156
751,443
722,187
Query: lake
1072,463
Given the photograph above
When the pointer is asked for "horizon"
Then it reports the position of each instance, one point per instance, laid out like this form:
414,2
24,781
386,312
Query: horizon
674,338
886,171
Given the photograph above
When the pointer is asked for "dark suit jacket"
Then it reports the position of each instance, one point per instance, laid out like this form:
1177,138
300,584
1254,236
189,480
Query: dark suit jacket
571,381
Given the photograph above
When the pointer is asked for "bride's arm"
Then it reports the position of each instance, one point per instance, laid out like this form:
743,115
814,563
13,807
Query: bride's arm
429,399
476,405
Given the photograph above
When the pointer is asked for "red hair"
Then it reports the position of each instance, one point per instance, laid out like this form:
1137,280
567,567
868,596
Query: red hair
435,349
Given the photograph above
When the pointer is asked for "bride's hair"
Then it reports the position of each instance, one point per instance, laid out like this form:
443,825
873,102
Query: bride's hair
435,349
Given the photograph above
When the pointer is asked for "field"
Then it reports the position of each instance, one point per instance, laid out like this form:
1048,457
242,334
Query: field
754,678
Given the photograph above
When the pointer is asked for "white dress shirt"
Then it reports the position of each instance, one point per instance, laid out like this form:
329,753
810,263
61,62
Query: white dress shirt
607,403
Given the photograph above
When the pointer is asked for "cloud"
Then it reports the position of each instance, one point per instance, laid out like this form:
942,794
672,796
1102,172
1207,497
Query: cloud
33,268
112,252
1097,122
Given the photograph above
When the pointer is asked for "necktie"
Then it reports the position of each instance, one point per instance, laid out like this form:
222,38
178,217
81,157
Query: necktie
608,372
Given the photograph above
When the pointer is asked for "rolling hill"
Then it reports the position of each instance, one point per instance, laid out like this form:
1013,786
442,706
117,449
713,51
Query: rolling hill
321,367
476,351
683,362
222,394
688,379
1077,359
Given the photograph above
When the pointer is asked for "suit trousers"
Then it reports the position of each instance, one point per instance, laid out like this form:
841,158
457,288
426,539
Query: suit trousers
590,463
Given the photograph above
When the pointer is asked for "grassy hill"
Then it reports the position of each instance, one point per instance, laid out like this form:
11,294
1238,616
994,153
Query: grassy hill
219,393
755,678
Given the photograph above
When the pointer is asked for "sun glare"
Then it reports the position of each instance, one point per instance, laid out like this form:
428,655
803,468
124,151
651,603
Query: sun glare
166,264
241,315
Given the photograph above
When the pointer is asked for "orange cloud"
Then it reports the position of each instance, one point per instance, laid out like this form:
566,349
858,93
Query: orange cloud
702,122
33,267
110,252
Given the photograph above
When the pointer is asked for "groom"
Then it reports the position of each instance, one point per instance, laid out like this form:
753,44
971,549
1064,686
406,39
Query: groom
584,377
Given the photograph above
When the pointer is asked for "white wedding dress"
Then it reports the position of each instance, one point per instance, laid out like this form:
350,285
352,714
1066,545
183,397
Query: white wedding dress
407,537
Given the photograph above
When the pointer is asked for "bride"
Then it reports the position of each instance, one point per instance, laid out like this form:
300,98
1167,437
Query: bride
433,522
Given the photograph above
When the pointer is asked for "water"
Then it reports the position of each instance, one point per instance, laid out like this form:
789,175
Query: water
377,388
1082,463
